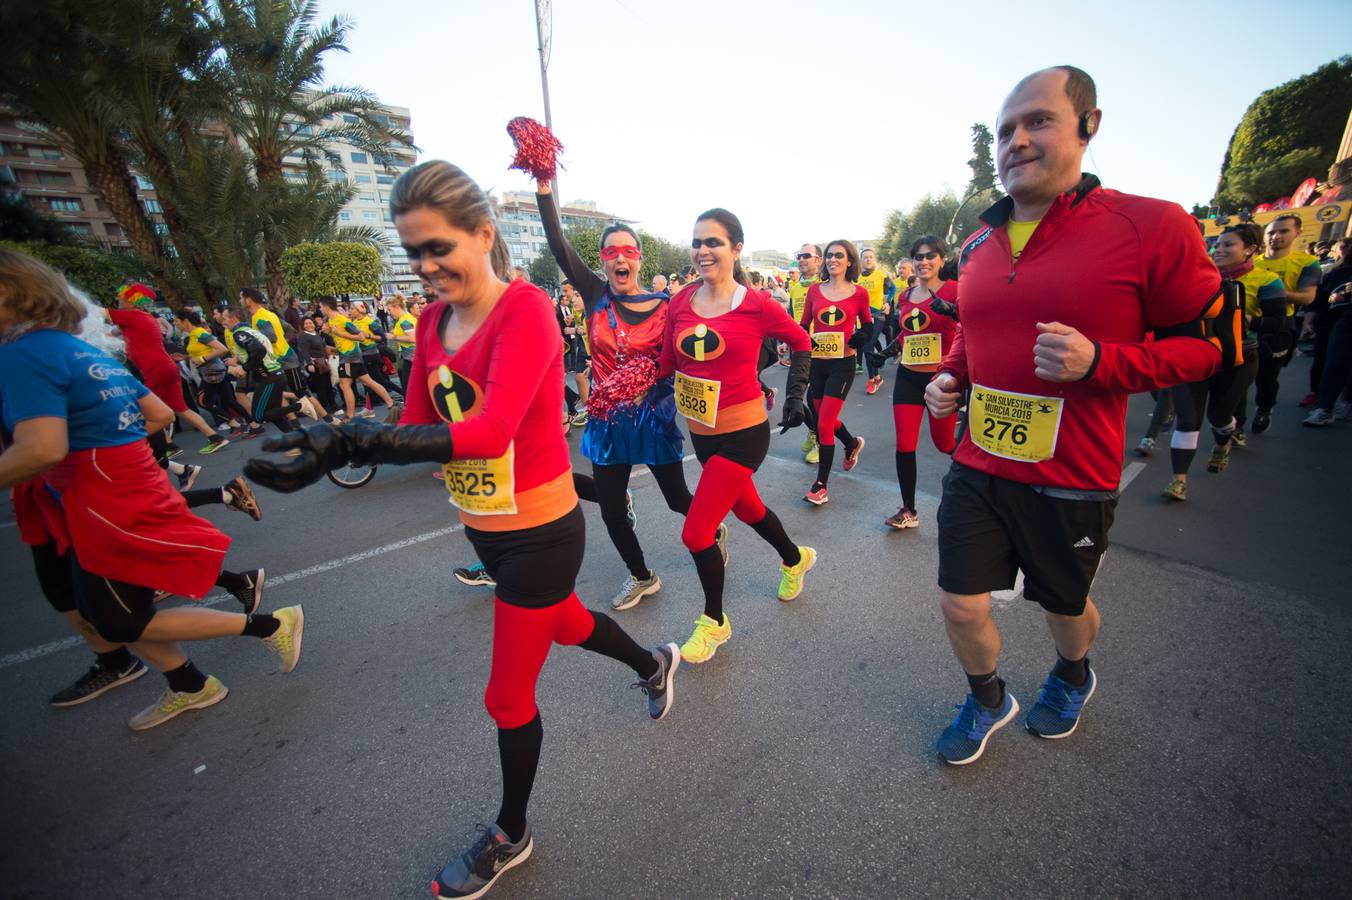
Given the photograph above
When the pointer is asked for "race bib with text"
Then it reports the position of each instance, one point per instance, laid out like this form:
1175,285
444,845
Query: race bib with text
1021,427
697,398
483,487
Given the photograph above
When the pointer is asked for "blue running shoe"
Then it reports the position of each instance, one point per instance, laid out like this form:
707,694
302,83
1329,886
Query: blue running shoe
1058,707
964,741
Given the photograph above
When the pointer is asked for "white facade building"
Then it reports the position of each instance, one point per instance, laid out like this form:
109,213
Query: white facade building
370,207
524,231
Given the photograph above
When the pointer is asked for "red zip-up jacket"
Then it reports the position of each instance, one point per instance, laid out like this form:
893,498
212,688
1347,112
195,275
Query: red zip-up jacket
1112,266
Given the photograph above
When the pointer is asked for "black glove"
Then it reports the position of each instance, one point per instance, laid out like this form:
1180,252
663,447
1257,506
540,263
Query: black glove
795,410
326,447
945,308
859,338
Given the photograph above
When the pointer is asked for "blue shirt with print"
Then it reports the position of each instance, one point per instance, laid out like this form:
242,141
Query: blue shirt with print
49,373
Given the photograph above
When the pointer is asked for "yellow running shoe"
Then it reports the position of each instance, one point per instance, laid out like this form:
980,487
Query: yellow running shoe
809,442
285,641
705,640
813,455
172,704
791,578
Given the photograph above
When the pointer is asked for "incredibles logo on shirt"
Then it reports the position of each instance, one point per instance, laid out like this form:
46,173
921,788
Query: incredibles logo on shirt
700,343
916,320
454,396
831,315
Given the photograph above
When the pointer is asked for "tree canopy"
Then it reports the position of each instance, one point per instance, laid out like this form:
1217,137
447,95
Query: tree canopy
331,269
1289,133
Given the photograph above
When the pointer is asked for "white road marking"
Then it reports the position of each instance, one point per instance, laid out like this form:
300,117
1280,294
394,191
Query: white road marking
32,653
1129,473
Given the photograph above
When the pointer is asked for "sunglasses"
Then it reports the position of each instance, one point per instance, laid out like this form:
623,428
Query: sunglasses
805,255
921,257
712,243
615,251
835,254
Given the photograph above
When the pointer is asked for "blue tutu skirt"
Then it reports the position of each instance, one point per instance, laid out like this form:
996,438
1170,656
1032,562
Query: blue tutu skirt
637,434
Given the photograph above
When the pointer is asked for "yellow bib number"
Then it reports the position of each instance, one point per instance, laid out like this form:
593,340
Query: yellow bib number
828,345
697,398
922,350
483,487
1021,427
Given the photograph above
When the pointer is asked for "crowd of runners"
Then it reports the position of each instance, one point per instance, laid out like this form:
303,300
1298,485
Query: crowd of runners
1018,355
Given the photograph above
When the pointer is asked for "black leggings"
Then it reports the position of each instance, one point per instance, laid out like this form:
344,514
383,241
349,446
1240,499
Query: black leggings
219,398
1217,398
606,487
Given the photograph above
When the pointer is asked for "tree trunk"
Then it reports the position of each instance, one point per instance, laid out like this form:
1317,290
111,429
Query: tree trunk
269,173
112,180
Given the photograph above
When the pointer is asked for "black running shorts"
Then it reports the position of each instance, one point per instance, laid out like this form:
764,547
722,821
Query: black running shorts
351,369
534,567
746,446
830,378
909,389
989,528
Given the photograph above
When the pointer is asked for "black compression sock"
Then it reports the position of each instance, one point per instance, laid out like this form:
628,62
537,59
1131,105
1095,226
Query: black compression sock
1075,672
906,475
772,530
233,582
519,752
570,397
844,437
709,566
826,456
186,679
1181,459
988,690
118,660
202,497
260,625
609,639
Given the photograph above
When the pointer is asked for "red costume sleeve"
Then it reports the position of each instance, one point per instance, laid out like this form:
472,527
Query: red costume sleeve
776,323
955,361
1180,282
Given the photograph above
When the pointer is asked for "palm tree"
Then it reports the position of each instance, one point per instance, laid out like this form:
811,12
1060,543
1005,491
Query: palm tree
59,77
273,64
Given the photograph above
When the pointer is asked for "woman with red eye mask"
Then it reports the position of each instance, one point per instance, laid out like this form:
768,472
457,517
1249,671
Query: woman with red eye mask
631,414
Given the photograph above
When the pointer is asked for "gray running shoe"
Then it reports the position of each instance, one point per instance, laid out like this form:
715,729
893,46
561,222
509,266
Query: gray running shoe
472,874
97,681
634,590
660,689
721,539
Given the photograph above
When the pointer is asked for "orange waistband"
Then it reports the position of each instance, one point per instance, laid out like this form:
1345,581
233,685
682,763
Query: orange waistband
733,418
542,503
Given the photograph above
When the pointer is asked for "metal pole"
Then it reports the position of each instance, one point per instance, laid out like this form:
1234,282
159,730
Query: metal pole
544,27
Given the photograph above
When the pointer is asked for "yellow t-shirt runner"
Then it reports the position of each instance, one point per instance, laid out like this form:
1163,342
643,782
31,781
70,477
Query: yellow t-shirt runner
1297,270
343,331
798,296
874,282
274,333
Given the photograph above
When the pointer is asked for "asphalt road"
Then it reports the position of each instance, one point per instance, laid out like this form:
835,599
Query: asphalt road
798,763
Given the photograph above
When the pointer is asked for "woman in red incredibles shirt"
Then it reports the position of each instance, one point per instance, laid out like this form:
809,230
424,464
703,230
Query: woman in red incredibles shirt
831,311
928,316
715,327
485,389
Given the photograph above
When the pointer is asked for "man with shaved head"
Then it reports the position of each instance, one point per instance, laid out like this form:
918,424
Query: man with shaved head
1058,291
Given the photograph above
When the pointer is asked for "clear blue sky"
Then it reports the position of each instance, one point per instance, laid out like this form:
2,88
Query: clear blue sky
814,119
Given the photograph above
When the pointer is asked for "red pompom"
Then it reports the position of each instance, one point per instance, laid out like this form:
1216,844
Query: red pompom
633,377
537,150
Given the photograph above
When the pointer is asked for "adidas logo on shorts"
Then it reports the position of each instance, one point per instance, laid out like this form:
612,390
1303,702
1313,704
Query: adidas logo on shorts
1083,542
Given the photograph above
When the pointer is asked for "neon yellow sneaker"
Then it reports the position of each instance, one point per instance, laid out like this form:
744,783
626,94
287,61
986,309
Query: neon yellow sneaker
791,578
705,640
813,456
172,704
809,442
285,641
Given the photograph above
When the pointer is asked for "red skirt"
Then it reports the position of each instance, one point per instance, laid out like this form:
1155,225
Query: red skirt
117,511
166,383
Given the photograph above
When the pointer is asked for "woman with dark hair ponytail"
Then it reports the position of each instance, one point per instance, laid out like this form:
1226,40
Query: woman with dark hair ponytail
631,413
830,312
712,346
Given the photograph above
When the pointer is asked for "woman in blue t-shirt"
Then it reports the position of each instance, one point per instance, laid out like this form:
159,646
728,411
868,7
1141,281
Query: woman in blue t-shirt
74,425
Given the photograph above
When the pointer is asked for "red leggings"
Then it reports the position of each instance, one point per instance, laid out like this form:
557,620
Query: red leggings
522,638
723,485
906,417
828,418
